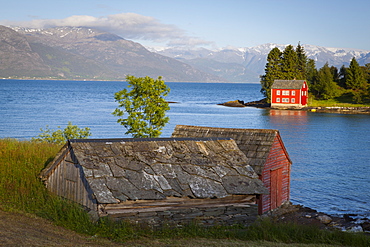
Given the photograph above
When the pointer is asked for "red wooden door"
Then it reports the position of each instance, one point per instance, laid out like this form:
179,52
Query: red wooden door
276,187
304,98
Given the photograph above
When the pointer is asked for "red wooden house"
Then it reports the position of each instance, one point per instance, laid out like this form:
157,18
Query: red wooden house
265,152
289,94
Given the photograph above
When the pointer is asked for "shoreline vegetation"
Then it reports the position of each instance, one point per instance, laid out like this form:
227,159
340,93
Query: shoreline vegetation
24,198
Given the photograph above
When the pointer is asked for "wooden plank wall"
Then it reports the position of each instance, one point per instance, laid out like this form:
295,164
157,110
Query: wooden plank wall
237,209
276,159
67,180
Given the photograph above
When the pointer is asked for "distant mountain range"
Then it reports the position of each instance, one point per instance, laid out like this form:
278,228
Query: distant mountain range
247,64
85,53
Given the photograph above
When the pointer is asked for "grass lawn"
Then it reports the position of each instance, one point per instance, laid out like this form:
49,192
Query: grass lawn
345,100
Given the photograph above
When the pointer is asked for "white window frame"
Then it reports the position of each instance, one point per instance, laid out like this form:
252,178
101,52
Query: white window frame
285,92
285,100
293,93
277,92
278,100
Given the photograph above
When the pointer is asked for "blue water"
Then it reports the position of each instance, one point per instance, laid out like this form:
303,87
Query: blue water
330,152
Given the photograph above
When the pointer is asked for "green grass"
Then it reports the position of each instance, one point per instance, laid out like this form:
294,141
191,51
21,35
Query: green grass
21,190
345,100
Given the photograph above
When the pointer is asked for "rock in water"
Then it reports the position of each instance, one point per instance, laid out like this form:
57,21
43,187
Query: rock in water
234,103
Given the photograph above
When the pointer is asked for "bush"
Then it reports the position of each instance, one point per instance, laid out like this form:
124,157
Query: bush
61,136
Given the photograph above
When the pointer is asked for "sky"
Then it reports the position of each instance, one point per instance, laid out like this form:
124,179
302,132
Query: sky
205,23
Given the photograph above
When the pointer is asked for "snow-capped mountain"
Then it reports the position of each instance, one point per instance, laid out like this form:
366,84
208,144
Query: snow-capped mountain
247,64
85,53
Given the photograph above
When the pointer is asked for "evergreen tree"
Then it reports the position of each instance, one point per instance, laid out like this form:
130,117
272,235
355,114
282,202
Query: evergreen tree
335,74
356,81
355,77
272,72
302,62
325,86
366,70
342,76
289,64
311,76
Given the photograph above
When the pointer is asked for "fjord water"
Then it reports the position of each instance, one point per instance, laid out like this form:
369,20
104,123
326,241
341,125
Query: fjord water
330,152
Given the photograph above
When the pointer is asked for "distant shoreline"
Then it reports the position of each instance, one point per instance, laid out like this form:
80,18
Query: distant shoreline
319,109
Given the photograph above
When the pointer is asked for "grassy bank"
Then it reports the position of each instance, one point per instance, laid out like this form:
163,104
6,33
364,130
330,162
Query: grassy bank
345,100
21,190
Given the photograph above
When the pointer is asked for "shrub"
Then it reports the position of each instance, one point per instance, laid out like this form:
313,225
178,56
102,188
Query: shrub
60,136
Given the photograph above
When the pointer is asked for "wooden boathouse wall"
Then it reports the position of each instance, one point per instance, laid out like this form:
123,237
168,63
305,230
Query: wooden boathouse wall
265,152
276,177
66,179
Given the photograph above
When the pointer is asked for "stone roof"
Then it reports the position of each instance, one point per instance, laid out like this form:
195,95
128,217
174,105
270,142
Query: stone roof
131,169
287,84
254,143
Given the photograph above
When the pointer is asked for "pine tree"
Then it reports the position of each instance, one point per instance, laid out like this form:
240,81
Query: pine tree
325,86
334,72
356,81
302,62
289,64
355,77
272,72
311,76
342,76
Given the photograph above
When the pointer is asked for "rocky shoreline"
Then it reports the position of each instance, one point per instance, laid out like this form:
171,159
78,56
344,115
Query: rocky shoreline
335,109
299,214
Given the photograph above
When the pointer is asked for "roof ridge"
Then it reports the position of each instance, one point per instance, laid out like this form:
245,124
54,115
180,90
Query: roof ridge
149,139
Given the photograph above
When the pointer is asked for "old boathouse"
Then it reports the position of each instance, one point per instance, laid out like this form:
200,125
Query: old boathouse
174,180
265,152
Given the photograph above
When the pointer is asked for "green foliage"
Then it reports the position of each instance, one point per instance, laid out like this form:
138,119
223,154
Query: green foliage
272,72
302,64
356,81
144,105
355,77
311,72
289,64
60,136
325,86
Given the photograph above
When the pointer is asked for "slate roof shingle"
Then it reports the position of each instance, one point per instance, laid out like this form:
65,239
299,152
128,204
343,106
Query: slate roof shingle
149,169
254,143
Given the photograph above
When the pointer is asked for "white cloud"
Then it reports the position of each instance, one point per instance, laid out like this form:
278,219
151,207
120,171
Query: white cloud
127,25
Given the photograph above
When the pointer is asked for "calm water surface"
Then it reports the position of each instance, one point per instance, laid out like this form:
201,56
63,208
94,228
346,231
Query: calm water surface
330,152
